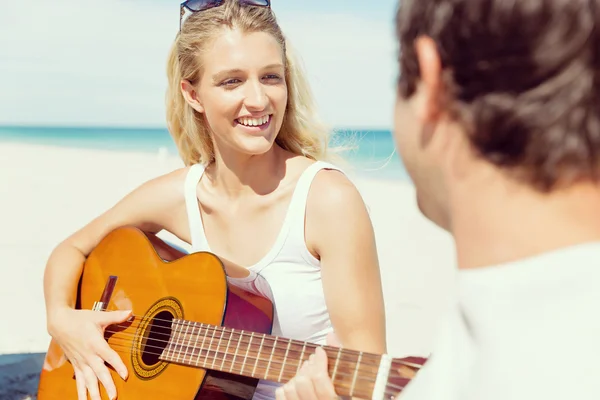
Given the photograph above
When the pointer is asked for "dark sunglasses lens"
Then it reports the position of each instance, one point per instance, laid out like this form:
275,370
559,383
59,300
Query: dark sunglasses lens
262,3
199,5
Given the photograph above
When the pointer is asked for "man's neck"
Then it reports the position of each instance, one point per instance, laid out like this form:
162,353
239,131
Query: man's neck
505,221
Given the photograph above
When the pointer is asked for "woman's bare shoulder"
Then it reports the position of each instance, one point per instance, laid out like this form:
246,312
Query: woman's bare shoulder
331,188
169,184
154,199
336,217
150,207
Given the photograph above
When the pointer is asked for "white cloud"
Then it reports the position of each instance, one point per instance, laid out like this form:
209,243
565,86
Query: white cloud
84,62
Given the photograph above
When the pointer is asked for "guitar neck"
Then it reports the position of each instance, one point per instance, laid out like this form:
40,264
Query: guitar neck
272,358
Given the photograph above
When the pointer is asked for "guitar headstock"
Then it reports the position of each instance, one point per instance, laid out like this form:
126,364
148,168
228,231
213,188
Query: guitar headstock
402,371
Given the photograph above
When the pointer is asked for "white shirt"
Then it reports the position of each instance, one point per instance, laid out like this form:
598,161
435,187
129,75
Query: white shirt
526,330
288,274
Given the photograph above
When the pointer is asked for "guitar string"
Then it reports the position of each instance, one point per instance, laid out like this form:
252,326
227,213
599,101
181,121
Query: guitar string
339,373
207,353
270,338
250,335
208,328
242,333
253,336
226,353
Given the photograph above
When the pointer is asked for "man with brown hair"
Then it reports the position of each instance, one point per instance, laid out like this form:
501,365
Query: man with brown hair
498,124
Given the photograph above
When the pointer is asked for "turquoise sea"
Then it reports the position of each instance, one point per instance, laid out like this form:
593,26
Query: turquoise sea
373,153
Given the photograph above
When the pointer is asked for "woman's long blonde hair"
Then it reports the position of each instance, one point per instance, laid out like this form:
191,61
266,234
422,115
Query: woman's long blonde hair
301,132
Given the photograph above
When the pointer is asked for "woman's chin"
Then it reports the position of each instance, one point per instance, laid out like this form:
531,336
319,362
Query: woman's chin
255,145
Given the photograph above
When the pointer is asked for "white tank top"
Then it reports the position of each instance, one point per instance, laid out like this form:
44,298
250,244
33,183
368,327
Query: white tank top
288,274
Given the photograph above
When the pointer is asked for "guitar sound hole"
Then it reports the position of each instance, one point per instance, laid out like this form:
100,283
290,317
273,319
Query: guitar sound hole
157,338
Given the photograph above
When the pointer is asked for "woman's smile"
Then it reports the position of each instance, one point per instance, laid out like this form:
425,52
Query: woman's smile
254,125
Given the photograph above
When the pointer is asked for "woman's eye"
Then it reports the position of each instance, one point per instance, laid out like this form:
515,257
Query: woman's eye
272,78
230,82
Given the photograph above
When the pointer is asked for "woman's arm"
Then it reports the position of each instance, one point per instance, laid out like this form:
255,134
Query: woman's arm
78,332
339,231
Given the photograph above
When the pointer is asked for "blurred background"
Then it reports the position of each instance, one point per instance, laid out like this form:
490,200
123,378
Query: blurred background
68,65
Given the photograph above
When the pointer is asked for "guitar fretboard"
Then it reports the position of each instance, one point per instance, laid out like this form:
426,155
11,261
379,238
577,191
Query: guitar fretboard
267,357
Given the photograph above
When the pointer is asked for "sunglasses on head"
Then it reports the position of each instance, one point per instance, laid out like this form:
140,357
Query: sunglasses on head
202,5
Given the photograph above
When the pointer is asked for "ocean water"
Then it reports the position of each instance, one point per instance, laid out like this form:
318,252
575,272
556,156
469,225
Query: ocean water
372,152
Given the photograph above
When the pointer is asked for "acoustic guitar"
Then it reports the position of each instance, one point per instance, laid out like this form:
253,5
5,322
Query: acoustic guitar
194,335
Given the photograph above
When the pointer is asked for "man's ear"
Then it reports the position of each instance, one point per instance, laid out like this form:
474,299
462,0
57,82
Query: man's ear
191,96
431,78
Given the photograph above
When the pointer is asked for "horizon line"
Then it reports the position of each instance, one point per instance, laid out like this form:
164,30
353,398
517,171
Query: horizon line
155,127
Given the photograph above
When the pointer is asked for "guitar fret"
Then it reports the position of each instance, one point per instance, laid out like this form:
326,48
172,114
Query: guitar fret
356,367
191,342
237,347
287,350
177,339
212,337
271,357
195,346
202,346
227,348
217,350
301,356
247,351
183,345
258,355
169,351
337,362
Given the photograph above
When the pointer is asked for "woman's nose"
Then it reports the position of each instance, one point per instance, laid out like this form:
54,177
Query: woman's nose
256,97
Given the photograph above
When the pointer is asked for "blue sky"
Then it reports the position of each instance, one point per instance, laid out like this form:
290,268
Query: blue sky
82,62
378,9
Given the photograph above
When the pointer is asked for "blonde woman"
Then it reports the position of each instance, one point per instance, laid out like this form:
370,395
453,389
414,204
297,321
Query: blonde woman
257,191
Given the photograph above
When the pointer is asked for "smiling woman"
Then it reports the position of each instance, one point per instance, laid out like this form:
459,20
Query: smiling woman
241,92
232,58
257,191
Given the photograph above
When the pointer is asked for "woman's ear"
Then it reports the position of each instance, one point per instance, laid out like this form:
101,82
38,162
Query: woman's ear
191,96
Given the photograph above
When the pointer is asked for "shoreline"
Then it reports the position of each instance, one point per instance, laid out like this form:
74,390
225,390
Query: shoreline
164,153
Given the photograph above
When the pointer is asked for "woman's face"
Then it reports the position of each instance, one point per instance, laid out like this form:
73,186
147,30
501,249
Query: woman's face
242,91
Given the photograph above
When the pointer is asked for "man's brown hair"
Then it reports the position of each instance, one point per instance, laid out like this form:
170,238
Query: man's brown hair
523,76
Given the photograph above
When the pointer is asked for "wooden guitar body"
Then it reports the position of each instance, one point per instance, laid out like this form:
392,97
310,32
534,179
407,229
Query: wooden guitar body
125,272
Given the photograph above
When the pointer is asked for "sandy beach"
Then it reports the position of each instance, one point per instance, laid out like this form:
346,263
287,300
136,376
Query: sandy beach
48,192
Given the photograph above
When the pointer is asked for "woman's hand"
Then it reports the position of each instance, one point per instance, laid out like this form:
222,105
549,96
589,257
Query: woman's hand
80,334
312,381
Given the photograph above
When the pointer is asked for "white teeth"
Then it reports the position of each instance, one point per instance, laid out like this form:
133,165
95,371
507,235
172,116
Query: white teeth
254,121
